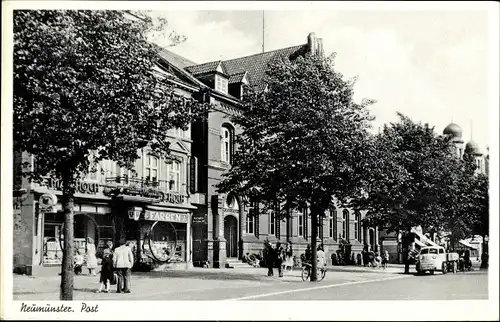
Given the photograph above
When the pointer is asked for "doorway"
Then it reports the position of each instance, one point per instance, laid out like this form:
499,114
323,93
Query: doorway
231,236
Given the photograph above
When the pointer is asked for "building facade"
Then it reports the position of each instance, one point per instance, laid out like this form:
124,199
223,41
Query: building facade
150,207
170,210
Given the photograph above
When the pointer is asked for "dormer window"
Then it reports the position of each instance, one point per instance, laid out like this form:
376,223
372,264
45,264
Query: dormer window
221,84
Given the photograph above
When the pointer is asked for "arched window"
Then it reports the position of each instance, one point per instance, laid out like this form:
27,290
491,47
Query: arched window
332,224
300,224
345,224
226,144
357,225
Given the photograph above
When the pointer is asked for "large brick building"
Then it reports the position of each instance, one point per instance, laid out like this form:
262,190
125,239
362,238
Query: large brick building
172,210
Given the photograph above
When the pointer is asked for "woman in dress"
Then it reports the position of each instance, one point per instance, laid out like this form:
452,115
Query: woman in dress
288,257
91,257
106,277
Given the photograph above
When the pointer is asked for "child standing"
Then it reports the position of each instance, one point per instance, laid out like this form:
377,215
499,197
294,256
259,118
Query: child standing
106,269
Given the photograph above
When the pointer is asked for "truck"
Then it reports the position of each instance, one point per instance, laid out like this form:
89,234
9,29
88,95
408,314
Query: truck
435,258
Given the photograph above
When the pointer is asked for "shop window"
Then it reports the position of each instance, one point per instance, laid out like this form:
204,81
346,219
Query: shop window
226,144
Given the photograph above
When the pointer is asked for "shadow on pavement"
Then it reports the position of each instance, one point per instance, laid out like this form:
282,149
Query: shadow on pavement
201,275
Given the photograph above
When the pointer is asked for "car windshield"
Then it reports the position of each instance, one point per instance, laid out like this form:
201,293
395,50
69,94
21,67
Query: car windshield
425,251
433,251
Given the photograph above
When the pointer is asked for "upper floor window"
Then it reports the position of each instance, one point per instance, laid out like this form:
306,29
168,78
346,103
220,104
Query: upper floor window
221,84
151,168
226,144
174,176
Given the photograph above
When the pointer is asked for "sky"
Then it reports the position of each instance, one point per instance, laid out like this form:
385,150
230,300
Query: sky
429,65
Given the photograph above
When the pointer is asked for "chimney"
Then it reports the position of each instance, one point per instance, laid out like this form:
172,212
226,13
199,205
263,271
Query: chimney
312,43
320,47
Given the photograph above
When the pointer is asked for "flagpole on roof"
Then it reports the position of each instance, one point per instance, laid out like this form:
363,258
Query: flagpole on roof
263,37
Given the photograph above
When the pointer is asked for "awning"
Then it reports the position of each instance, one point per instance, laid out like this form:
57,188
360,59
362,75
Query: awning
468,245
419,243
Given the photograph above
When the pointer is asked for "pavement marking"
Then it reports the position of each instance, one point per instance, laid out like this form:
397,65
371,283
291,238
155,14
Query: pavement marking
313,288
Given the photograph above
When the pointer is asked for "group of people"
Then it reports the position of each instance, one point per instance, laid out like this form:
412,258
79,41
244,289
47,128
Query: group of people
279,256
375,259
119,260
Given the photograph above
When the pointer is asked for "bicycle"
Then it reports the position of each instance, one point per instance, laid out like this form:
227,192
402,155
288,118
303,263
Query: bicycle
306,272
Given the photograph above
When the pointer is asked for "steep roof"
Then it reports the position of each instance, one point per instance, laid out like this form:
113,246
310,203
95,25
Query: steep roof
256,65
174,59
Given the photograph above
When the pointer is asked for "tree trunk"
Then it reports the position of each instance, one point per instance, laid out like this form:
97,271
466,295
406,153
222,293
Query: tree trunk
66,291
314,254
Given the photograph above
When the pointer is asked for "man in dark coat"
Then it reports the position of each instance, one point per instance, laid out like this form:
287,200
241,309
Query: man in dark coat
270,256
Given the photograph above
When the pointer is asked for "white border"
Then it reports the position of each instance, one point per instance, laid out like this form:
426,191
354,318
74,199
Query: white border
258,310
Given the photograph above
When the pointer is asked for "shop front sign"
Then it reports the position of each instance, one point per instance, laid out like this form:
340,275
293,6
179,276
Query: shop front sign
166,216
81,186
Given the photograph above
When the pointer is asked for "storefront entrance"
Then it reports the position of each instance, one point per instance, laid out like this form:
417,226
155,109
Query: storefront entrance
231,236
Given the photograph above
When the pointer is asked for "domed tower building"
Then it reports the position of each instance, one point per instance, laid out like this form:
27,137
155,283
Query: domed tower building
455,131
472,149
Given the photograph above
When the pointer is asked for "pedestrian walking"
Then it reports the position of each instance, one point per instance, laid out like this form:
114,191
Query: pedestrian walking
308,253
280,257
288,262
320,255
107,274
78,261
91,256
385,259
269,257
123,260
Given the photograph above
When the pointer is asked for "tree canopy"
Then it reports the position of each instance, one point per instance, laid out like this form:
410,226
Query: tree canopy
302,139
85,90
84,81
415,178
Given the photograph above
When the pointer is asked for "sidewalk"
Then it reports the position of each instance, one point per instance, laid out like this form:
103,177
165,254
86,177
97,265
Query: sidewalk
175,284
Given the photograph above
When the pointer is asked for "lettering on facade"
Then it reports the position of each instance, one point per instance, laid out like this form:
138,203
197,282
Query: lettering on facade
81,186
193,174
227,211
166,216
199,219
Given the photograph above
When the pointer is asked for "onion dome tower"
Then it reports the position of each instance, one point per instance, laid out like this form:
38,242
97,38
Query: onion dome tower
455,132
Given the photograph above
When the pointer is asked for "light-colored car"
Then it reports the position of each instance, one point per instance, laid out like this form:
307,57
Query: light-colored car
432,258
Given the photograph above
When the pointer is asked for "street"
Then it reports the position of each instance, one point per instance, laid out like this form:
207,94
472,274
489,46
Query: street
254,284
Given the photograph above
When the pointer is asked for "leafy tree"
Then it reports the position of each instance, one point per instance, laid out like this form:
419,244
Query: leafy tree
302,140
414,179
85,91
